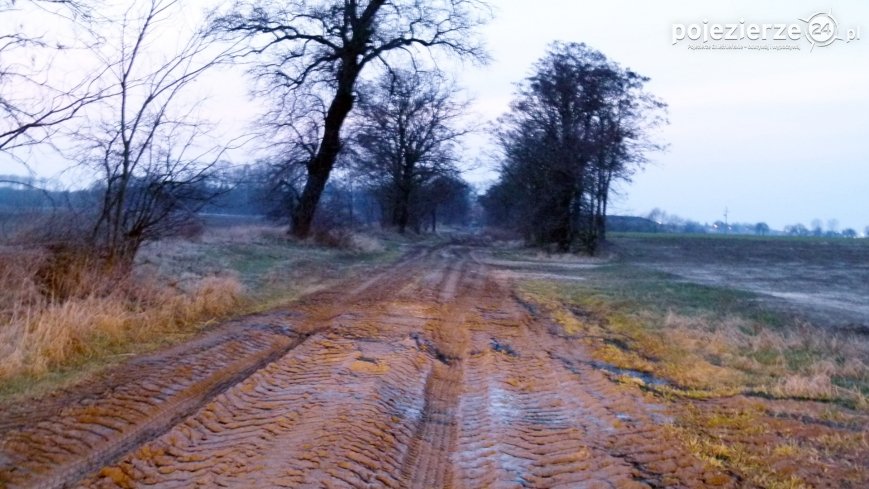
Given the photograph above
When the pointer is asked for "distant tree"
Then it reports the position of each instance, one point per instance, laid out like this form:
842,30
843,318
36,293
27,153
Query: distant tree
761,229
657,215
797,230
849,233
446,199
817,228
406,136
866,232
693,227
576,125
313,52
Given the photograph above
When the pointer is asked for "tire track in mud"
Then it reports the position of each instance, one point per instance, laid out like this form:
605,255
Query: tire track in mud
380,406
73,435
82,437
429,374
530,421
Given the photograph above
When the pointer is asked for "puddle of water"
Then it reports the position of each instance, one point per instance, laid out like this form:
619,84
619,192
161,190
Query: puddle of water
647,378
503,348
502,406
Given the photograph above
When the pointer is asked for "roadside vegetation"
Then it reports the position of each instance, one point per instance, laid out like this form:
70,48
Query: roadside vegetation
704,341
64,317
732,369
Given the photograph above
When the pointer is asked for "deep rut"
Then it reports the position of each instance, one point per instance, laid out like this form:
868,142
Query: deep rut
427,375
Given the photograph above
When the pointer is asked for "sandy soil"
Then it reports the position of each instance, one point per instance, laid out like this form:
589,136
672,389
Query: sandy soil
428,374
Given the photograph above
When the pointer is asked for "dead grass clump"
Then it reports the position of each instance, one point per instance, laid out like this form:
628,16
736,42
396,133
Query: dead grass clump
18,286
818,386
41,331
339,238
245,234
212,297
74,271
347,240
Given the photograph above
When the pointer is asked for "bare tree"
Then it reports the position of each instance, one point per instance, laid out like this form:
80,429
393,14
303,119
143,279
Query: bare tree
407,136
798,229
35,99
316,50
151,154
446,199
577,124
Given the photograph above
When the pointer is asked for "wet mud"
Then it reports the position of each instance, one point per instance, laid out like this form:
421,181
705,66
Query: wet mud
428,374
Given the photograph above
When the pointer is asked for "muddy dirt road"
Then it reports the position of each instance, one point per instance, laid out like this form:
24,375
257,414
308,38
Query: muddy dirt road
429,374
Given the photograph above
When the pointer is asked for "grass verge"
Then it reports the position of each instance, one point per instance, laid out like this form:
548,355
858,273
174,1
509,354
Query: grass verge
178,288
704,341
695,346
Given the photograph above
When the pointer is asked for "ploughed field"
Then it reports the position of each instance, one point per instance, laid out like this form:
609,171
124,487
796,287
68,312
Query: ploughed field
431,373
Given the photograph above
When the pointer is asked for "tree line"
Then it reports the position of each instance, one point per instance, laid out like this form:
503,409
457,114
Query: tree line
133,121
361,123
659,221
576,126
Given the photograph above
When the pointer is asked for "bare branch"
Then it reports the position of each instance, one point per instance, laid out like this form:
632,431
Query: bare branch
311,47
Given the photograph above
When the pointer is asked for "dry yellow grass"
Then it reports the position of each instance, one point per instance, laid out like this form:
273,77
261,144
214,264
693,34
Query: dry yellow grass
709,352
62,318
39,332
709,355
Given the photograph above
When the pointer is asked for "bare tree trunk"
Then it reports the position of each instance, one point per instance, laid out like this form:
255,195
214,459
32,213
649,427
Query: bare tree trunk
321,165
402,212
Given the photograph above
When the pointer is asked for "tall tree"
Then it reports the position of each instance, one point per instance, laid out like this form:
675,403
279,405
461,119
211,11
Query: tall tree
576,125
312,53
407,135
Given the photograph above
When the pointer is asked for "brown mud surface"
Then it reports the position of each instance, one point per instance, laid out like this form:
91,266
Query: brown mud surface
429,374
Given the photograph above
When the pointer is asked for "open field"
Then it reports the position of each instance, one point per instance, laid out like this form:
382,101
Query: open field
826,280
470,365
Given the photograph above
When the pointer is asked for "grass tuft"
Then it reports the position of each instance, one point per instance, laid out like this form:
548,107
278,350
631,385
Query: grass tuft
63,318
40,332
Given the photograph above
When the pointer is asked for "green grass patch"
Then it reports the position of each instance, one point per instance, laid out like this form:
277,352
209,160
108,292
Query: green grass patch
704,340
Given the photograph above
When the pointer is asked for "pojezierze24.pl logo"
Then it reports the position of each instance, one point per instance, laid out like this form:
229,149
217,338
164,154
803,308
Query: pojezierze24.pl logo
820,30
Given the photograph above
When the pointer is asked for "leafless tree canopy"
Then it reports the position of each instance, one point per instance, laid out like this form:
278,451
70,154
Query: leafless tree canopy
151,153
35,100
577,124
407,136
310,54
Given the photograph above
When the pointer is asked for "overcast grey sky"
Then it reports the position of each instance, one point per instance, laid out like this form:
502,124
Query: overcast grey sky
779,136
